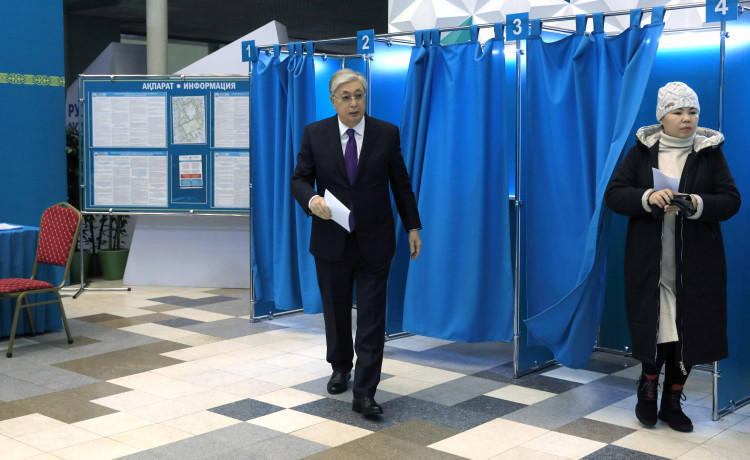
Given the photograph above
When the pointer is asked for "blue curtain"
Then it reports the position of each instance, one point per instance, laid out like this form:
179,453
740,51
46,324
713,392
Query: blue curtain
461,286
282,104
584,93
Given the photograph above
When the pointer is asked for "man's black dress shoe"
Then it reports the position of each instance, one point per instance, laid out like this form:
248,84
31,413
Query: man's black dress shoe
338,383
366,406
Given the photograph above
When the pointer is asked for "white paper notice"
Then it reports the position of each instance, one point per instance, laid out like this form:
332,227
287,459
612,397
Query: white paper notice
339,212
232,120
129,120
662,181
232,180
130,179
191,171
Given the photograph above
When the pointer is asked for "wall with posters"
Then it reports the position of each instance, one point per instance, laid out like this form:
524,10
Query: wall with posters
154,145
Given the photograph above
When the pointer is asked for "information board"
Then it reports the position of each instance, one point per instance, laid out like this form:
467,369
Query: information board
165,144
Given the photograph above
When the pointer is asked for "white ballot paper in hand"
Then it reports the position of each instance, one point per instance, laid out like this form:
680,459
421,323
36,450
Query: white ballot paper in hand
662,181
339,212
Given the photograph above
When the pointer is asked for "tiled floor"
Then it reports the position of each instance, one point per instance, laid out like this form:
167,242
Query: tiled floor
167,373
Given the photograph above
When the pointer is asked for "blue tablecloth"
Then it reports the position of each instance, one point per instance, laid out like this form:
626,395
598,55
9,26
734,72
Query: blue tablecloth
17,253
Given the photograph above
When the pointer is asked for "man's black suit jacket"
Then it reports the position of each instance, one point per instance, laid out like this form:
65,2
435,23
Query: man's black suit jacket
321,161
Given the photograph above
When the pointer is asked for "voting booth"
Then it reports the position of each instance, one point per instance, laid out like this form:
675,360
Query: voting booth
534,112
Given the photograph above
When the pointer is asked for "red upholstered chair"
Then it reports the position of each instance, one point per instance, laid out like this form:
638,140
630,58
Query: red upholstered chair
57,241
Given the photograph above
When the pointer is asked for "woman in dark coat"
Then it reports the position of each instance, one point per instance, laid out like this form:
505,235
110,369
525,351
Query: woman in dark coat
675,272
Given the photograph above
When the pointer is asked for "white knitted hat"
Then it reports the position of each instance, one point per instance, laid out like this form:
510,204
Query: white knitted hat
675,95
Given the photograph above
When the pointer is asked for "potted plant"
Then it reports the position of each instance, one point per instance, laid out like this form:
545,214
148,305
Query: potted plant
112,255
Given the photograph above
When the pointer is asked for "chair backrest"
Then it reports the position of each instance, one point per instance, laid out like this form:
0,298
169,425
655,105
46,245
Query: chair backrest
57,234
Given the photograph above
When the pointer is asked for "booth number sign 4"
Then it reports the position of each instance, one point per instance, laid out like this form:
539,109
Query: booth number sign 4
721,10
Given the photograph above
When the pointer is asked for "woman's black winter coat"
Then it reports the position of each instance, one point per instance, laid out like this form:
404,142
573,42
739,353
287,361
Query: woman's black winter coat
699,250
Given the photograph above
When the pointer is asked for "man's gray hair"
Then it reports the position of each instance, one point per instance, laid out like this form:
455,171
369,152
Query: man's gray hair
343,76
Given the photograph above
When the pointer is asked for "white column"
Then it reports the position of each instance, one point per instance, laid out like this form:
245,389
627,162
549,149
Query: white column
156,37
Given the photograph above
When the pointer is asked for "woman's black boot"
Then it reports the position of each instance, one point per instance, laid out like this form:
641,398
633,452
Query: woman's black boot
671,410
645,409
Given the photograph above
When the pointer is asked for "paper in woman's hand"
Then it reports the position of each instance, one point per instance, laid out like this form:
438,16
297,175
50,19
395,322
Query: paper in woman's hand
662,181
339,212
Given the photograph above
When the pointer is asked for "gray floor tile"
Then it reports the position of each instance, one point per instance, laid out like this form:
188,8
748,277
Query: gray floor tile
620,453
12,389
284,447
609,363
300,321
47,375
185,302
341,411
407,408
246,409
230,307
569,406
504,373
178,322
494,407
595,430
318,387
444,359
457,391
231,328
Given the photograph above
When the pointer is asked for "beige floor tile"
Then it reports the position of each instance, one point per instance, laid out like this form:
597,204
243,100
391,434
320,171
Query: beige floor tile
164,410
213,378
331,433
151,436
252,368
12,449
656,444
208,399
525,453
432,375
403,385
519,394
488,439
159,385
220,361
128,400
196,339
199,315
206,350
396,367
27,424
201,422
617,416
177,371
98,449
564,445
744,410
251,387
255,340
57,438
318,368
255,354
703,427
158,331
732,440
287,377
289,360
287,420
108,425
43,457
317,351
288,397
704,452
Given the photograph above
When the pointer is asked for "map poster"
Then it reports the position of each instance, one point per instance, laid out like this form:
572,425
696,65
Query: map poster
188,120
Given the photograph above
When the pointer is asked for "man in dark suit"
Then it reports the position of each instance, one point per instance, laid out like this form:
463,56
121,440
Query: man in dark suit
354,157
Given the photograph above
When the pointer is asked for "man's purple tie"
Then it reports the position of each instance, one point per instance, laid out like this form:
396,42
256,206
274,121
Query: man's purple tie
350,158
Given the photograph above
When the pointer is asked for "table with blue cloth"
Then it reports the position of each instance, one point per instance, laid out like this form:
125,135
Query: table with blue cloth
17,253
